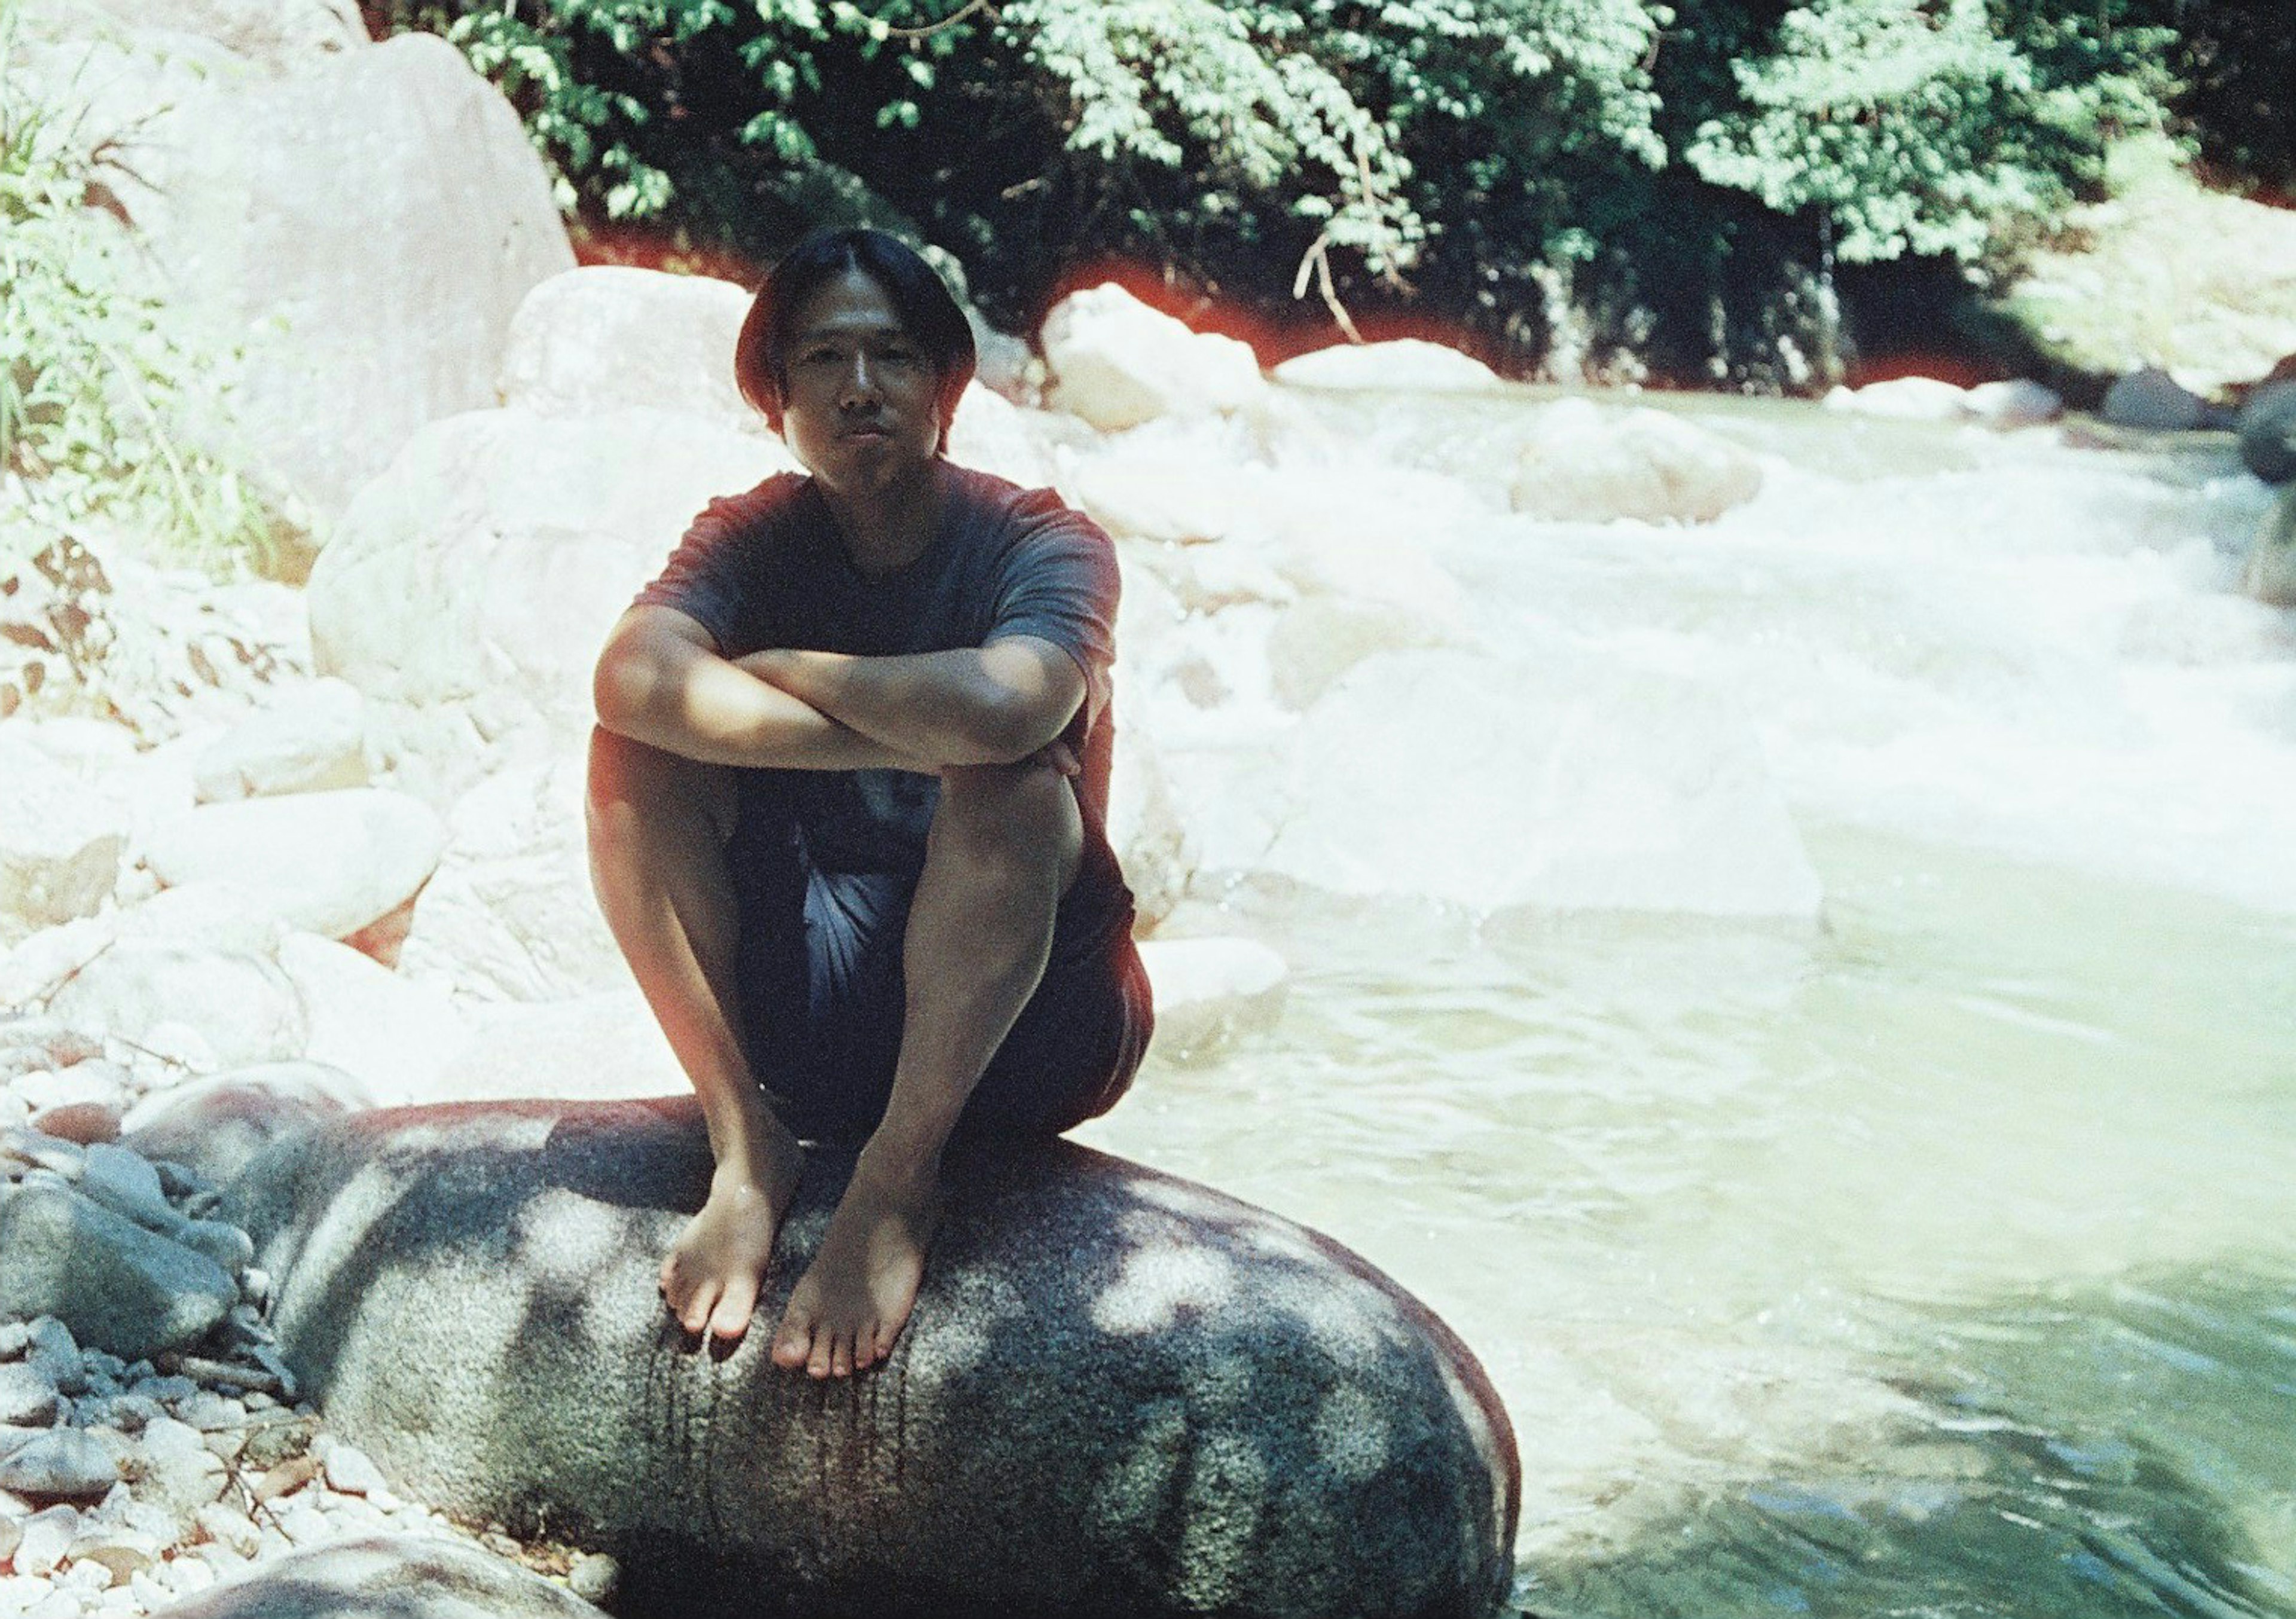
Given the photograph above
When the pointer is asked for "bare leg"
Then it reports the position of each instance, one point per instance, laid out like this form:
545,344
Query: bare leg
1006,842
659,827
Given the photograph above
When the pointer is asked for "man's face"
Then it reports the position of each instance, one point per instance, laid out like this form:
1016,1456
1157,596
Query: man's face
861,407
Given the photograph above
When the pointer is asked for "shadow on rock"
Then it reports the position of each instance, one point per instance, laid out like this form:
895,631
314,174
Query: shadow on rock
1120,1394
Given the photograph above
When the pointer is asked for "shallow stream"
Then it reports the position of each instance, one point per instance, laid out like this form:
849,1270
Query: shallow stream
1935,1258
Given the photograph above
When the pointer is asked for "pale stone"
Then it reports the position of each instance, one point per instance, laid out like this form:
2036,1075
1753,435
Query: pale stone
1594,789
312,739
227,1525
332,862
47,1536
1317,640
603,1044
27,1397
1148,498
1117,363
363,221
180,1474
1145,826
1582,463
1405,365
216,1125
603,338
61,841
469,587
404,1576
395,1036
277,34
98,1082
2016,403
1903,399
1212,993
349,1469
994,435
243,1007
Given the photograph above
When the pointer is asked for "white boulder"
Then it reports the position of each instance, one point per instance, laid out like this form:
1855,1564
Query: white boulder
239,1004
61,841
306,738
991,433
333,862
1212,993
605,338
1902,399
363,220
469,587
394,1035
2019,402
1583,463
1407,364
1560,783
1117,362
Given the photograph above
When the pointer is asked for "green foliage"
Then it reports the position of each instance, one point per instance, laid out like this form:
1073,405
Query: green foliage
1913,127
98,376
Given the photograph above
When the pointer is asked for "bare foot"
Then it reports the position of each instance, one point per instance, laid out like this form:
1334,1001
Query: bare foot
713,1271
853,1300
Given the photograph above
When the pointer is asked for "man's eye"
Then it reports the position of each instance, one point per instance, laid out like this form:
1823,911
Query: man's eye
903,356
818,356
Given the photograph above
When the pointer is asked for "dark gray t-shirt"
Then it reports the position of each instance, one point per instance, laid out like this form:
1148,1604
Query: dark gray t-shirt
767,568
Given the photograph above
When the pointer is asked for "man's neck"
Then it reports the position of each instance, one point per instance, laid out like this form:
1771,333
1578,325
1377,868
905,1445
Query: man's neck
889,528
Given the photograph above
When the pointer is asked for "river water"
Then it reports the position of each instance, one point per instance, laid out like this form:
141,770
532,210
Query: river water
1937,1257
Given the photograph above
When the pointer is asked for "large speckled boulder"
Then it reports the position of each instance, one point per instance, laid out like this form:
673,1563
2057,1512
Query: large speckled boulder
386,1577
1121,1393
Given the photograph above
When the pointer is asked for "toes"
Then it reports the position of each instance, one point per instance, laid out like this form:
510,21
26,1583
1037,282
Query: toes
793,1343
731,1318
820,1362
695,1314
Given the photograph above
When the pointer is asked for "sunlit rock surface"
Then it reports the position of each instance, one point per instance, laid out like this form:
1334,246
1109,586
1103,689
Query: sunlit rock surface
1117,363
1585,464
1120,1394
364,219
614,337
1407,364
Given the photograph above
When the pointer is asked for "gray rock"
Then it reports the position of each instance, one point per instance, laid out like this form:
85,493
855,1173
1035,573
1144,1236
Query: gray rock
226,1245
2153,399
27,1395
38,1149
115,1285
64,1464
2268,432
126,1184
1214,1409
386,1577
2269,572
592,1577
214,1127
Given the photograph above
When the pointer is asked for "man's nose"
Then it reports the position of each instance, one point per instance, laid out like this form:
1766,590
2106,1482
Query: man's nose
860,382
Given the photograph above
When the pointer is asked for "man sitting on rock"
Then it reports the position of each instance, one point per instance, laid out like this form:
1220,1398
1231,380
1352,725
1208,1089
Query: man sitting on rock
846,807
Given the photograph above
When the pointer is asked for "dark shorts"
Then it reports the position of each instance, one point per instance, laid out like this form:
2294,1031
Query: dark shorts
822,993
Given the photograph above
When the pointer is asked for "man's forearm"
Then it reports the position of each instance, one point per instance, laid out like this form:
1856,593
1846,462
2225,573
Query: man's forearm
991,705
705,709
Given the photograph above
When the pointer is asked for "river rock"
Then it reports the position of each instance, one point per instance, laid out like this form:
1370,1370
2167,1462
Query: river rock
398,1576
47,1535
181,1475
469,587
396,1036
1405,365
1583,463
2019,402
2152,399
115,1285
239,1004
1212,993
1117,363
2269,573
64,1464
214,1127
1216,1410
276,35
993,434
61,841
335,862
2266,426
94,1082
126,1184
27,1397
363,221
1902,399
308,739
610,337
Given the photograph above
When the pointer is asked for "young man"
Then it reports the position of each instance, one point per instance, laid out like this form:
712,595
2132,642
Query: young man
846,807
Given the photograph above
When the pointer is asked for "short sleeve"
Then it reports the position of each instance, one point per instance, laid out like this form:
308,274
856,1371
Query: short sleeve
1060,584
712,575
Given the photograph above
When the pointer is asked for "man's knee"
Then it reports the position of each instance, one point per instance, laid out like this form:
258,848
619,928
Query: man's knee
635,791
1017,819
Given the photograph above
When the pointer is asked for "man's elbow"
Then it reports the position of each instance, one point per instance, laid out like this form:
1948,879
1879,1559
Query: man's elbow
1012,728
622,690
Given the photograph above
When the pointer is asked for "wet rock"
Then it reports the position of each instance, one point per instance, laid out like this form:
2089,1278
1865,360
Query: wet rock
62,1464
334,861
1117,363
113,1284
404,1576
1405,365
310,739
1219,1412
2152,399
1584,464
2266,426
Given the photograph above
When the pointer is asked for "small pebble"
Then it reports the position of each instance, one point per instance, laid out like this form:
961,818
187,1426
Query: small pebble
38,1149
207,1411
15,1338
90,1576
47,1537
594,1576
228,1527
62,1464
58,1604
12,1533
27,1397
188,1576
304,1524
90,1124
349,1469
168,1391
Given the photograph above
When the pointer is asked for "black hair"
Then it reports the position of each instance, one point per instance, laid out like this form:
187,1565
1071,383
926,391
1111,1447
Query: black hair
928,312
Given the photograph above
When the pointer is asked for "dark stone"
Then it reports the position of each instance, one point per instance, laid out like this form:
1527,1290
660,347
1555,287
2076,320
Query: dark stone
2154,400
2268,432
1121,1396
116,1285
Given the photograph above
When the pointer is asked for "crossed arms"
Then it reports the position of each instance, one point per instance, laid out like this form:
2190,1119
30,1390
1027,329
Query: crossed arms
661,681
